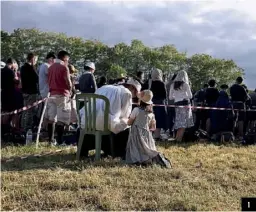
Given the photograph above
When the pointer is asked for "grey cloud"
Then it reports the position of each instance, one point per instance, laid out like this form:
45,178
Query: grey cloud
224,33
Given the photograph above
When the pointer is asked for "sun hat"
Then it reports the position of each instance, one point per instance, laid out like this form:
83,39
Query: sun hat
146,96
134,83
90,65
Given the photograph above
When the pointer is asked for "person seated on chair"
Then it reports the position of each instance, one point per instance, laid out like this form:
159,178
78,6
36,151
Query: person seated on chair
120,98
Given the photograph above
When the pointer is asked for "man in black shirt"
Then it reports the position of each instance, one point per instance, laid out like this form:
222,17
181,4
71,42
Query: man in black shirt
30,90
252,114
7,93
8,86
239,97
211,97
199,99
87,82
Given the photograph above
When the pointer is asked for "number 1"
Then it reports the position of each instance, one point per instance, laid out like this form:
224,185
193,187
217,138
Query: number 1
249,205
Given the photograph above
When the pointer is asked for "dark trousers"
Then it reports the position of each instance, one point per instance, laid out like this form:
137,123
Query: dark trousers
171,118
119,142
201,118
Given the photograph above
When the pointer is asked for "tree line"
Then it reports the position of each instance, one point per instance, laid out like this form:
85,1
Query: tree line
112,61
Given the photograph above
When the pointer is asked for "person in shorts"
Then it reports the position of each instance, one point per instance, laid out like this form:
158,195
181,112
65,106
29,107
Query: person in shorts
59,104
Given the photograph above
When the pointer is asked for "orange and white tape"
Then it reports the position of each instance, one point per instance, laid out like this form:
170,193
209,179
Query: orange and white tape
24,108
174,106
203,108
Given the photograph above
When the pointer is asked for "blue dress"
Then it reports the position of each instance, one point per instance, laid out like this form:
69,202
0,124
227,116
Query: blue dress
222,120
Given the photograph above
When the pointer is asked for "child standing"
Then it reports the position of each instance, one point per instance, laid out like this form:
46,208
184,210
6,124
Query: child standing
141,148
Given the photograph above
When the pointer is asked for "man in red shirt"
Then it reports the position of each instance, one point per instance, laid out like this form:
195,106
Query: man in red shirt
59,104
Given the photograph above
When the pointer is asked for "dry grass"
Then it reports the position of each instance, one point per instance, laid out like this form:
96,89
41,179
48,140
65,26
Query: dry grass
204,177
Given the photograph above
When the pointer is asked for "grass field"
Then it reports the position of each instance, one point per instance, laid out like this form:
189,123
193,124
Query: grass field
204,177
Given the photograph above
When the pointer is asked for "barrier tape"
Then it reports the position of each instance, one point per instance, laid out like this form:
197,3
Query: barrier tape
204,108
173,106
24,108
6,160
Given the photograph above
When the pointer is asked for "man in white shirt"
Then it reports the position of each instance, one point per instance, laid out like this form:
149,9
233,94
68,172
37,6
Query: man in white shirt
120,97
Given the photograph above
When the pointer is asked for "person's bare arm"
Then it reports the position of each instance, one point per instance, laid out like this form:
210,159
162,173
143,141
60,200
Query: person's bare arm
130,121
152,124
132,116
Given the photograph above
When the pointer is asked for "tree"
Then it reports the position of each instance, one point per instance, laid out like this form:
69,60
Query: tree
116,71
119,59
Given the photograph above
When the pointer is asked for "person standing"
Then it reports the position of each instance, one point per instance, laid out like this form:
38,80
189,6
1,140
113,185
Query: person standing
252,114
43,74
29,82
102,81
158,88
87,82
59,105
222,120
171,110
73,117
199,99
8,102
211,97
140,77
180,92
43,81
239,97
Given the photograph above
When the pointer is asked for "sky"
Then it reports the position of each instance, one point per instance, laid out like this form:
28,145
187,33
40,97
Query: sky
223,29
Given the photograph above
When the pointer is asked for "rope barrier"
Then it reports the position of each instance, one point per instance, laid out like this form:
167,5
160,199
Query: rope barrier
161,105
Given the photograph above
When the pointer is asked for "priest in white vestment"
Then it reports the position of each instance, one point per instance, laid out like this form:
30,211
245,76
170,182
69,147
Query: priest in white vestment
120,98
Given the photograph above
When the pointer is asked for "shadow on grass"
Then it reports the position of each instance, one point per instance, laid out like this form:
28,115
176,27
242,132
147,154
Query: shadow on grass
62,161
168,144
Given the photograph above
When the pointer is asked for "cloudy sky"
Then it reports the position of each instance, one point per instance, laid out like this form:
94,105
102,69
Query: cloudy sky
224,29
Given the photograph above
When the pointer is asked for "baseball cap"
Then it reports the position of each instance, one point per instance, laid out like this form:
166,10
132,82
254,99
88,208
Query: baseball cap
90,65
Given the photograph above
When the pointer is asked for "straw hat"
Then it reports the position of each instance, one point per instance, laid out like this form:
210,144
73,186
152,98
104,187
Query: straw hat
146,96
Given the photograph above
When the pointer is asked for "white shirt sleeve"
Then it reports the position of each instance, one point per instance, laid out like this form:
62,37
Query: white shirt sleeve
126,105
171,93
134,113
46,69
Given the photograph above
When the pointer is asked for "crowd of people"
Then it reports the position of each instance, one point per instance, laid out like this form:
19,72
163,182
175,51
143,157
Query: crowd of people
133,120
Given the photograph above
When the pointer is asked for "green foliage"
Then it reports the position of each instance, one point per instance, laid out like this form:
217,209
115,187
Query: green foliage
116,71
119,59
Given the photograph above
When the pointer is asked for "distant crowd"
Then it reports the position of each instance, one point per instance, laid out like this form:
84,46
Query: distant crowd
135,123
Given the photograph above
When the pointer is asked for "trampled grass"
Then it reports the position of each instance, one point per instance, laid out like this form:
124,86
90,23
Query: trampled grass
204,177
